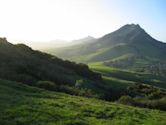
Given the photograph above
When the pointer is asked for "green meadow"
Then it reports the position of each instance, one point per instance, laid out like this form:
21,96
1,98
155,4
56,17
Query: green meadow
24,105
123,78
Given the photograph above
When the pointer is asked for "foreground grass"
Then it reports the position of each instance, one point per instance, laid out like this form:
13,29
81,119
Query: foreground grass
24,105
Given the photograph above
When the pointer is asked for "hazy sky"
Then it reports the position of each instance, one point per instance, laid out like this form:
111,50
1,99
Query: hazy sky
41,20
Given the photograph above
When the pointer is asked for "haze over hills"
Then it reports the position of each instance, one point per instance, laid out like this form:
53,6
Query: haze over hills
52,44
87,39
128,47
42,45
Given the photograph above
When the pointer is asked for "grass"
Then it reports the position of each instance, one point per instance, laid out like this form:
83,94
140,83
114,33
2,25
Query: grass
108,74
24,105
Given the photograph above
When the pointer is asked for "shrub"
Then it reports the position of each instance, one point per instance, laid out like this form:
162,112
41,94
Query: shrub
153,104
79,83
86,92
67,89
46,85
158,104
126,100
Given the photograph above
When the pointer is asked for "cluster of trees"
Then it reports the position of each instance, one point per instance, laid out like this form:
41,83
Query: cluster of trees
73,90
146,96
157,68
145,103
145,91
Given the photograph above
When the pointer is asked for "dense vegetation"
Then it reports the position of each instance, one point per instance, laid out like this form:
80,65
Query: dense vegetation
21,63
24,105
146,96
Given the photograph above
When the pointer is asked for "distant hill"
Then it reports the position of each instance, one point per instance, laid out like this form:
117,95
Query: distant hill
52,44
129,47
88,39
43,45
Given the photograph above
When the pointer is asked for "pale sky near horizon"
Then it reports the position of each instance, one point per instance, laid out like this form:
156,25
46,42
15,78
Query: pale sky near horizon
44,20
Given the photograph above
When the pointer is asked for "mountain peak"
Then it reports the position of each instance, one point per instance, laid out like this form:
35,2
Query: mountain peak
126,31
133,25
85,38
90,37
3,39
130,27
4,42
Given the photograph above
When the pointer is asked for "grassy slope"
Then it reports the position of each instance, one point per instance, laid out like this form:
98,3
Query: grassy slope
123,78
24,105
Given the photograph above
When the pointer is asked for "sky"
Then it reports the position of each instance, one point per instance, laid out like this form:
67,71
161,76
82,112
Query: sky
45,20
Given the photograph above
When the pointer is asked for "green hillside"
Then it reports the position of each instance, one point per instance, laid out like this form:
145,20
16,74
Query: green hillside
23,64
129,47
24,105
126,56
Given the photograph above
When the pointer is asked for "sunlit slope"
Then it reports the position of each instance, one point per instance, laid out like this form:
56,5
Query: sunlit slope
21,104
121,78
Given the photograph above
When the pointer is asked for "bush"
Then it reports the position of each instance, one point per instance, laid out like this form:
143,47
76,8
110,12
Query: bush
126,100
86,92
48,85
67,89
143,102
158,104
79,83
